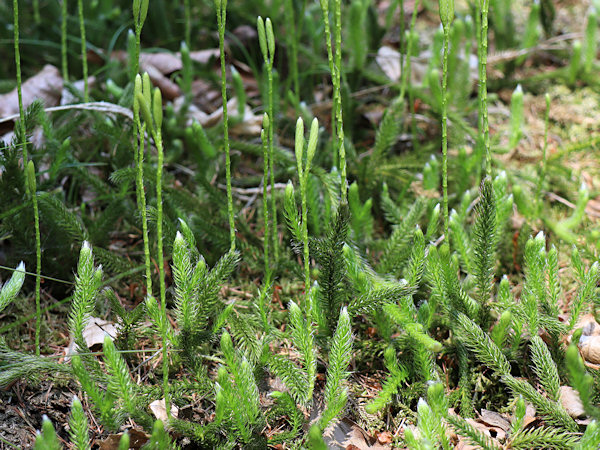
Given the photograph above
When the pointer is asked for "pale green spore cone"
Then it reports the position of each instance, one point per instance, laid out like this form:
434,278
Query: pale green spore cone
30,173
262,37
157,111
446,12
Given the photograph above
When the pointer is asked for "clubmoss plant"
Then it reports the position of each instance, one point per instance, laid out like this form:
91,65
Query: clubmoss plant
31,182
11,288
187,21
221,8
482,22
335,68
264,137
532,32
140,11
292,23
150,104
303,174
63,40
78,426
266,40
86,97
446,16
139,140
19,90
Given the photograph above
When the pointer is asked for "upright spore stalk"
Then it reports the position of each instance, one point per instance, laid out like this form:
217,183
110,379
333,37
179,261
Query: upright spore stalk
264,136
83,51
221,7
332,70
337,86
293,45
19,83
30,185
266,39
140,10
446,16
484,7
188,22
150,106
303,174
63,40
335,63
31,182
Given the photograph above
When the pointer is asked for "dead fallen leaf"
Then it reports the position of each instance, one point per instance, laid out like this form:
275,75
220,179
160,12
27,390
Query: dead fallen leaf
589,347
46,86
389,61
168,62
384,437
168,88
494,419
94,333
570,400
159,409
137,439
249,125
346,434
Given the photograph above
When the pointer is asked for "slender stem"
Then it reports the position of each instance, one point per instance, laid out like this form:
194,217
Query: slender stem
337,87
36,12
188,22
63,40
445,133
221,20
293,46
265,147
402,46
139,132
141,195
161,265
38,272
332,70
138,45
480,76
406,74
304,180
38,246
483,82
19,89
272,159
86,97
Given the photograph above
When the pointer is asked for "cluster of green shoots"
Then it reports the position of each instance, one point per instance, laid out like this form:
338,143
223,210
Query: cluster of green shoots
415,287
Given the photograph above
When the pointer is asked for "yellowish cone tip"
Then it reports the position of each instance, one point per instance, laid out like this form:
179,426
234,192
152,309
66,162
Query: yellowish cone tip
446,12
299,148
312,140
262,37
270,39
31,182
157,111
